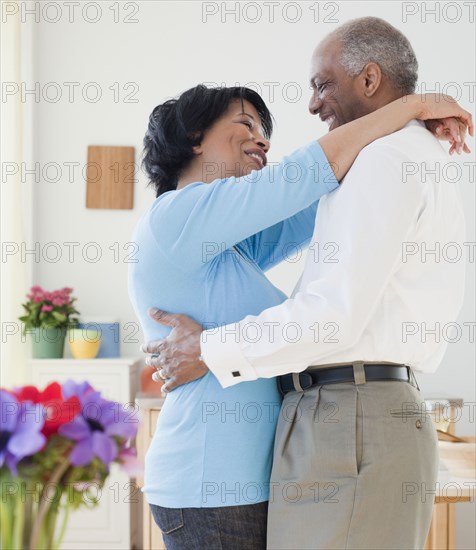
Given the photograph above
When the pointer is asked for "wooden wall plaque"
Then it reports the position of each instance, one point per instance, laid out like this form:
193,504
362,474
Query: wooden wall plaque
110,177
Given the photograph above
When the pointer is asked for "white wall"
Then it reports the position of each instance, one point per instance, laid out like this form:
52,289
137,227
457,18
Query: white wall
174,46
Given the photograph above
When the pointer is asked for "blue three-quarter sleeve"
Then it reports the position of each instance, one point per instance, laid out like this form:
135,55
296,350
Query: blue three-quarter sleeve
283,240
228,211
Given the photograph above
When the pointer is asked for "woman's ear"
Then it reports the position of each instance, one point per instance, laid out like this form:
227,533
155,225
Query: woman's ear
371,78
197,149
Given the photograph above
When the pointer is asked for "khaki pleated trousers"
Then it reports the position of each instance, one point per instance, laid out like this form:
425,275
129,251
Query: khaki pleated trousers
355,467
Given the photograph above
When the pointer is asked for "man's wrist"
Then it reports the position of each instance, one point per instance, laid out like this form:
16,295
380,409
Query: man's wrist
416,102
221,352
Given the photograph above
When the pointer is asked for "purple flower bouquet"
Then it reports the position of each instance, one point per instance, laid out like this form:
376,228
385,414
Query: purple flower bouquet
54,444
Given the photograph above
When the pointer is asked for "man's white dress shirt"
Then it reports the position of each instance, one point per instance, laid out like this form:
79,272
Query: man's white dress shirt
384,274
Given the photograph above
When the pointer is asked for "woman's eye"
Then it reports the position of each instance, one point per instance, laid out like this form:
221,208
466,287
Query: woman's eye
248,124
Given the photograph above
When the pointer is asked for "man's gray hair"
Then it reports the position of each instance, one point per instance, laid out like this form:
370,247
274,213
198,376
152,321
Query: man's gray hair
370,39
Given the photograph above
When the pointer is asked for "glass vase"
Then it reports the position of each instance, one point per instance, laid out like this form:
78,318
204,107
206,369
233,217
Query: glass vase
29,512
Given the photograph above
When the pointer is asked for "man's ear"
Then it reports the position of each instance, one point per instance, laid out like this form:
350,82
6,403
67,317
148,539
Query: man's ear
371,78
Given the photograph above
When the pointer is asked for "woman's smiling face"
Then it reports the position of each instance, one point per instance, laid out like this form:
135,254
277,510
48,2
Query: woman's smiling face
234,145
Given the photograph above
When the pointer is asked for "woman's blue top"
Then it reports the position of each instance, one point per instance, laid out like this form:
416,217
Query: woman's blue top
203,251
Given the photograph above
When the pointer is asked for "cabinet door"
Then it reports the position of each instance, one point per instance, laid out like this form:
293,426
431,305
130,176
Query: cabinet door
152,536
442,529
157,542
107,526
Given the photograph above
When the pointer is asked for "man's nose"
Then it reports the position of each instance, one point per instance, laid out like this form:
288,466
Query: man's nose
315,105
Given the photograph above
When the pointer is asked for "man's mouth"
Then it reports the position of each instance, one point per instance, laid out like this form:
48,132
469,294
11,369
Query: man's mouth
330,119
258,156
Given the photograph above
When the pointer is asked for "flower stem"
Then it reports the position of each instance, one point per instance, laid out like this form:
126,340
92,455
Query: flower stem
18,522
29,506
6,521
45,504
59,538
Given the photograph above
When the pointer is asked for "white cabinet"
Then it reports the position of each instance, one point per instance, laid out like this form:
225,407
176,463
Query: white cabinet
116,522
150,406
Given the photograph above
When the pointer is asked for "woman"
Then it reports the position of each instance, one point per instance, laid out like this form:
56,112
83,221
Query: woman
221,218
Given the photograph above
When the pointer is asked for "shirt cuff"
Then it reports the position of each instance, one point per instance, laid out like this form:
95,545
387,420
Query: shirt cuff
221,352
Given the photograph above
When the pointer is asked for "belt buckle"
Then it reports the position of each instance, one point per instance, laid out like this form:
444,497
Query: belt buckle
302,381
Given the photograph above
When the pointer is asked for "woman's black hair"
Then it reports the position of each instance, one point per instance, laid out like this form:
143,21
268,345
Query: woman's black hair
178,125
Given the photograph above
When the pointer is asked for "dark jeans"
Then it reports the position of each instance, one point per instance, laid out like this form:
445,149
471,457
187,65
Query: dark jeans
226,528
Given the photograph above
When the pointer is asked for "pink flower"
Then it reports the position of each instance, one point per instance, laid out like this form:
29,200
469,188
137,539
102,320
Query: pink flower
65,291
46,308
36,294
57,302
130,462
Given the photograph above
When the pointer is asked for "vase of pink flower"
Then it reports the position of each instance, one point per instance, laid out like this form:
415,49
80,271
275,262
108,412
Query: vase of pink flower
47,317
54,444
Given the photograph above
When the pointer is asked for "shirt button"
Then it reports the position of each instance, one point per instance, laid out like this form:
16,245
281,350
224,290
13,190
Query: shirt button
418,424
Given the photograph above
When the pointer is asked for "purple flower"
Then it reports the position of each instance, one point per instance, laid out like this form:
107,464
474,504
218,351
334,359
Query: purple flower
71,388
94,429
20,430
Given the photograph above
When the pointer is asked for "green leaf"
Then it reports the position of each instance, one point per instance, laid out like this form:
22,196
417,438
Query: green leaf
59,316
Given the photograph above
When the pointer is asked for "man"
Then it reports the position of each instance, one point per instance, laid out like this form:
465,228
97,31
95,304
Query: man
355,453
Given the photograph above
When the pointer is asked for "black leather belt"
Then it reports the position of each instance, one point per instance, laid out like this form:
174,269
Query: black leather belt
317,376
